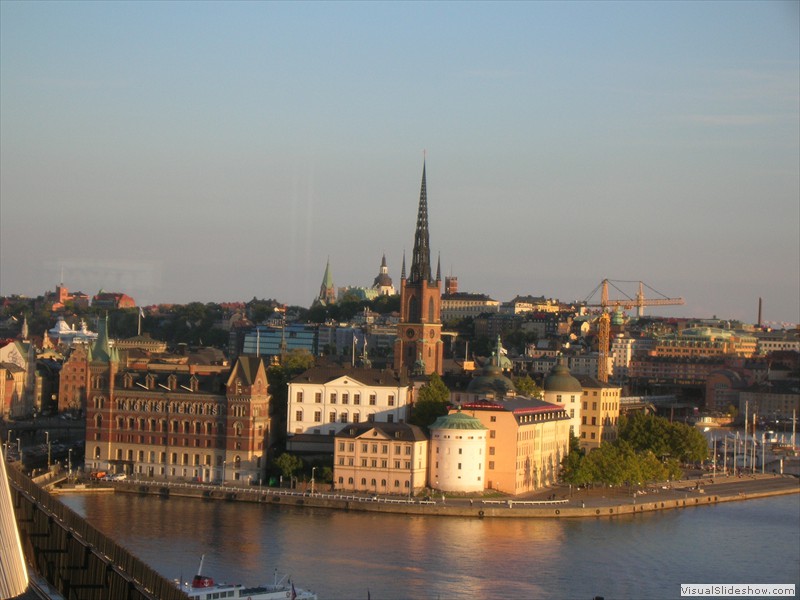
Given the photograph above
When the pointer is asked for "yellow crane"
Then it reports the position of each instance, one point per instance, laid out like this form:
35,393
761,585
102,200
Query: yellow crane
625,303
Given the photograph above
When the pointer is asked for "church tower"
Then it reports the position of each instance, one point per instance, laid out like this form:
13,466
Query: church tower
418,347
327,292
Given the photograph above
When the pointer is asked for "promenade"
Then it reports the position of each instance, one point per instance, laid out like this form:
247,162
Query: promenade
555,502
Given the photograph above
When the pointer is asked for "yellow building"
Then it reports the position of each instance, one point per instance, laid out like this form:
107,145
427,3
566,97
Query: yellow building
380,458
599,412
526,442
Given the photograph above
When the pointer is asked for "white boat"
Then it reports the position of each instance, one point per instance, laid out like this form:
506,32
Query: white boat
205,588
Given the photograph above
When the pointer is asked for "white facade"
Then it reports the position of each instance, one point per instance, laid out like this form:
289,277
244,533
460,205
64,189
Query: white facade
621,354
460,306
571,403
325,407
457,459
583,364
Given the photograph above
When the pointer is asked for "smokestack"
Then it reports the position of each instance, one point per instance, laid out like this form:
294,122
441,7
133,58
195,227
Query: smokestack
759,313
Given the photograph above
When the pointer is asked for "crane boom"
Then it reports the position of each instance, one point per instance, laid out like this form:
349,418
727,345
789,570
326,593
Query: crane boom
627,303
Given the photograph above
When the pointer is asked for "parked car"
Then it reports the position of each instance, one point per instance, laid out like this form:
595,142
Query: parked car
119,477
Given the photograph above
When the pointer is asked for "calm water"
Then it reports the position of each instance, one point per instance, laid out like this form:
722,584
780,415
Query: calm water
342,556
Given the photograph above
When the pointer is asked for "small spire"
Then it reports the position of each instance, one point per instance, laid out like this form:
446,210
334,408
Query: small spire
439,268
403,269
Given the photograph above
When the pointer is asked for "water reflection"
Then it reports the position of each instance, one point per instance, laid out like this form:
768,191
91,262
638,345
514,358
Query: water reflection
346,555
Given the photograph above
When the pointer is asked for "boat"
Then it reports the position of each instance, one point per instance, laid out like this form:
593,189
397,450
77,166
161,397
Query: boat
203,587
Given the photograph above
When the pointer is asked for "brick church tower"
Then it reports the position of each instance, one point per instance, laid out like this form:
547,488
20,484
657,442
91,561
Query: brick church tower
418,347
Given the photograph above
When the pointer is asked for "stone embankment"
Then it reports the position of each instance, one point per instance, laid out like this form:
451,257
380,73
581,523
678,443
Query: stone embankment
558,502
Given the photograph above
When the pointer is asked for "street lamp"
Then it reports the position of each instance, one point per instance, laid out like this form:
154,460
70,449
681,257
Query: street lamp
224,462
69,462
313,470
47,437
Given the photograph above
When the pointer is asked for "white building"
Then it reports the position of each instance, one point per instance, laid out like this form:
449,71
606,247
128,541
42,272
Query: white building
324,400
460,305
621,354
457,454
561,388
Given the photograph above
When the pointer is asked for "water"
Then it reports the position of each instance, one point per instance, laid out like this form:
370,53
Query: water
346,556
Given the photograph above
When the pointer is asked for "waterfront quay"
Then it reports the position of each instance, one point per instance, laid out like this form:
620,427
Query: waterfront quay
556,502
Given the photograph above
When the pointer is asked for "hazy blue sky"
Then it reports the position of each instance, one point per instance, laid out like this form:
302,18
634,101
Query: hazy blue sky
219,151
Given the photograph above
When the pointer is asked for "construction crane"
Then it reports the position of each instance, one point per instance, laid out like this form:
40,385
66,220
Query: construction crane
626,303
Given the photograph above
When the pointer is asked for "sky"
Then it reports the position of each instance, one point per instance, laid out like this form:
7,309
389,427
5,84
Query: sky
215,152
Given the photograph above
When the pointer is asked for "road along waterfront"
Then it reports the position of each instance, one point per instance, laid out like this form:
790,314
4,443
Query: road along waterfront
562,503
344,555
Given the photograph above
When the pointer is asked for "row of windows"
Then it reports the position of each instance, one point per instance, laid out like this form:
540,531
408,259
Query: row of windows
174,457
345,398
373,482
184,408
374,448
342,418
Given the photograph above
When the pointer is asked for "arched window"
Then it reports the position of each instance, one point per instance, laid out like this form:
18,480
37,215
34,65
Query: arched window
237,462
98,421
364,481
373,483
237,429
413,310
97,451
430,311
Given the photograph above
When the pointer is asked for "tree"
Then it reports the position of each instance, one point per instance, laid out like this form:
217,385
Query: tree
434,391
527,387
288,464
297,360
432,402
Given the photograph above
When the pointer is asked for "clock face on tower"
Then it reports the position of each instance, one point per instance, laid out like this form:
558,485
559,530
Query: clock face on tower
410,333
431,334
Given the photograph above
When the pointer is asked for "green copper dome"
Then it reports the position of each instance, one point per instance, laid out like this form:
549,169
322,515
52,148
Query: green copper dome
560,380
457,420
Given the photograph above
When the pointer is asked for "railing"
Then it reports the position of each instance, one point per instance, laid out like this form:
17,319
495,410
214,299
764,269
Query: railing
79,561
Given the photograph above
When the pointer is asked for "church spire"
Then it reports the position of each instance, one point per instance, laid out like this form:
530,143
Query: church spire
421,260
439,268
403,269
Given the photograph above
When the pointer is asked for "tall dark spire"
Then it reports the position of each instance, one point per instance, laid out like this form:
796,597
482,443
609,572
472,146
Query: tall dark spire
421,260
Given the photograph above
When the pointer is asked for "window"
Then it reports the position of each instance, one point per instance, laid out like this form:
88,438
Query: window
384,449
491,450
373,399
594,421
391,399
299,396
332,417
345,398
492,433
493,419
298,416
318,416
571,412
491,464
318,397
333,397
356,417
356,398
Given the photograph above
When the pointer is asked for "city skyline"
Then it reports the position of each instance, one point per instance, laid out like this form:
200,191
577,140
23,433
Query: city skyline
221,151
